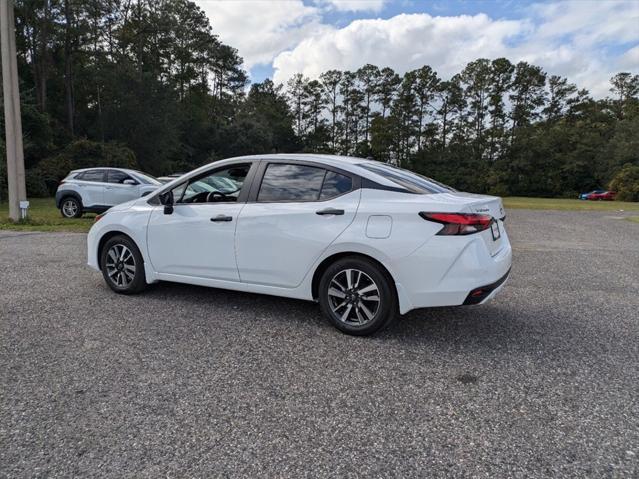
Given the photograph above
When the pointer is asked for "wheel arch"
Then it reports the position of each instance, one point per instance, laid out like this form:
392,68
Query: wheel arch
61,195
106,237
326,262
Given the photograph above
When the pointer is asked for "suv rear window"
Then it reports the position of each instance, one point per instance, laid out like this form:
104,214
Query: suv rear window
91,175
413,182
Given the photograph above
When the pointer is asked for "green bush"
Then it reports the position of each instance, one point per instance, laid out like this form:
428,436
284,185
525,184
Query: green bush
626,183
36,186
84,154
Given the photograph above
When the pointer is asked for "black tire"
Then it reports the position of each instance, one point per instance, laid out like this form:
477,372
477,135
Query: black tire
70,207
365,316
116,263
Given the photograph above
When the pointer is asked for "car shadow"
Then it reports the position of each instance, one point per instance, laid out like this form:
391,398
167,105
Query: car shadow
493,325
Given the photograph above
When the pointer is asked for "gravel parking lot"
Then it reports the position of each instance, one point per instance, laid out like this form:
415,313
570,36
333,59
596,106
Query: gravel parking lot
194,382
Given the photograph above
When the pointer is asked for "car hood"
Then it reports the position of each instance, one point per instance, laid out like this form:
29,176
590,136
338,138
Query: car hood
124,206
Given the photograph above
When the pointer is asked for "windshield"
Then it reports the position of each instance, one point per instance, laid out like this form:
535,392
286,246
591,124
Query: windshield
411,181
146,178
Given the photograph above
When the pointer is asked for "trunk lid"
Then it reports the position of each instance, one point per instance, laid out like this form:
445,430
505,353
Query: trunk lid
473,203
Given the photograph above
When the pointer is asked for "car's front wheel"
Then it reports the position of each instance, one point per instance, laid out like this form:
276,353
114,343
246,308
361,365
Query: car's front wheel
122,265
70,207
357,296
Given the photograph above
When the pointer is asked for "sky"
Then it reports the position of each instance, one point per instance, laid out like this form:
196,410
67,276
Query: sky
583,40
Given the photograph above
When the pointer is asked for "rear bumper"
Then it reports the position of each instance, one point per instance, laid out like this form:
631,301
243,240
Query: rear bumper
484,293
447,270
58,197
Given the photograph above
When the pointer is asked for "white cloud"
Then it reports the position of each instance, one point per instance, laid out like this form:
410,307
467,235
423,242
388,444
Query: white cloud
261,29
402,42
630,59
569,38
589,21
582,40
353,5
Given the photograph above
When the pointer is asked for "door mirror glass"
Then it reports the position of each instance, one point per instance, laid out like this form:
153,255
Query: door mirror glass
167,198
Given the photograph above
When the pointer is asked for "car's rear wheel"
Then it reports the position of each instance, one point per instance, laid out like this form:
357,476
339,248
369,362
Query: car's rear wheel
357,296
70,207
122,265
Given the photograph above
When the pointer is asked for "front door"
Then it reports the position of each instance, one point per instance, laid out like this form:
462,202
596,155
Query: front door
120,188
300,209
197,238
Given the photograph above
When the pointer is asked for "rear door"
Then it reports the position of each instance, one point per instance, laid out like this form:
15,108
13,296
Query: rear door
295,212
91,185
117,191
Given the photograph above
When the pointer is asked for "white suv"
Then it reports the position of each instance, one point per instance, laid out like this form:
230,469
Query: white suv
94,190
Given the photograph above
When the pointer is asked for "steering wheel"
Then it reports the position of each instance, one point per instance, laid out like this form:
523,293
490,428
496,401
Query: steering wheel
214,196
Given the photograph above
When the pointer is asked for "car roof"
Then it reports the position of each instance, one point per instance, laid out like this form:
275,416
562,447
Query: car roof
333,160
125,170
349,163
80,170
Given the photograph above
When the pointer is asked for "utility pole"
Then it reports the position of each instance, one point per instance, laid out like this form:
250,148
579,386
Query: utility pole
12,118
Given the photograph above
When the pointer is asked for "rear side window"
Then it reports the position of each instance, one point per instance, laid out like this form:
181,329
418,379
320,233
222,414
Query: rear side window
91,175
116,176
286,182
283,182
335,185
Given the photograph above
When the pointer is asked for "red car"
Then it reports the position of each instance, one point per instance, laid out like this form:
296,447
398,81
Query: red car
604,196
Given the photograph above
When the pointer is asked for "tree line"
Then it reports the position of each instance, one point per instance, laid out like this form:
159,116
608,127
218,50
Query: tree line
148,84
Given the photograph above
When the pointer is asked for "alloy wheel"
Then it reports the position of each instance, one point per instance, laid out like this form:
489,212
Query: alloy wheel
120,265
70,208
353,297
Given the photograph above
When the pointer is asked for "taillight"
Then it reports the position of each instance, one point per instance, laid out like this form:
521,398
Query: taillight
459,223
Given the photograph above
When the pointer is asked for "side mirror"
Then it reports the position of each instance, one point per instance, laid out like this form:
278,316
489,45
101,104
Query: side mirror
167,200
129,181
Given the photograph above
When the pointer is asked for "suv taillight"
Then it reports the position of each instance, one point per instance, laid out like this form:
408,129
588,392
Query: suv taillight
459,223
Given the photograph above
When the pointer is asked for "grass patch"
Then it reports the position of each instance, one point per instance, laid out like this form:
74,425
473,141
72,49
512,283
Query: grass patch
568,204
44,216
634,219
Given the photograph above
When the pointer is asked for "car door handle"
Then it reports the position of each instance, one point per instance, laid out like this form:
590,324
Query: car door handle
330,211
220,218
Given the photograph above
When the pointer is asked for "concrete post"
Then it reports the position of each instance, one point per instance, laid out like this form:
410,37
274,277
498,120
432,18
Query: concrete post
12,117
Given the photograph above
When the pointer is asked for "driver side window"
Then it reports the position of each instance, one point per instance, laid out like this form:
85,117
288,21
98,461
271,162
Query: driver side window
222,185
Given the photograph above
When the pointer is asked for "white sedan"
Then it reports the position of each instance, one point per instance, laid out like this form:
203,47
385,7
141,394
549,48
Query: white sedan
367,240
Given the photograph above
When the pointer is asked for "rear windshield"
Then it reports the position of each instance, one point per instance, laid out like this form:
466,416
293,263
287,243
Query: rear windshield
413,182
